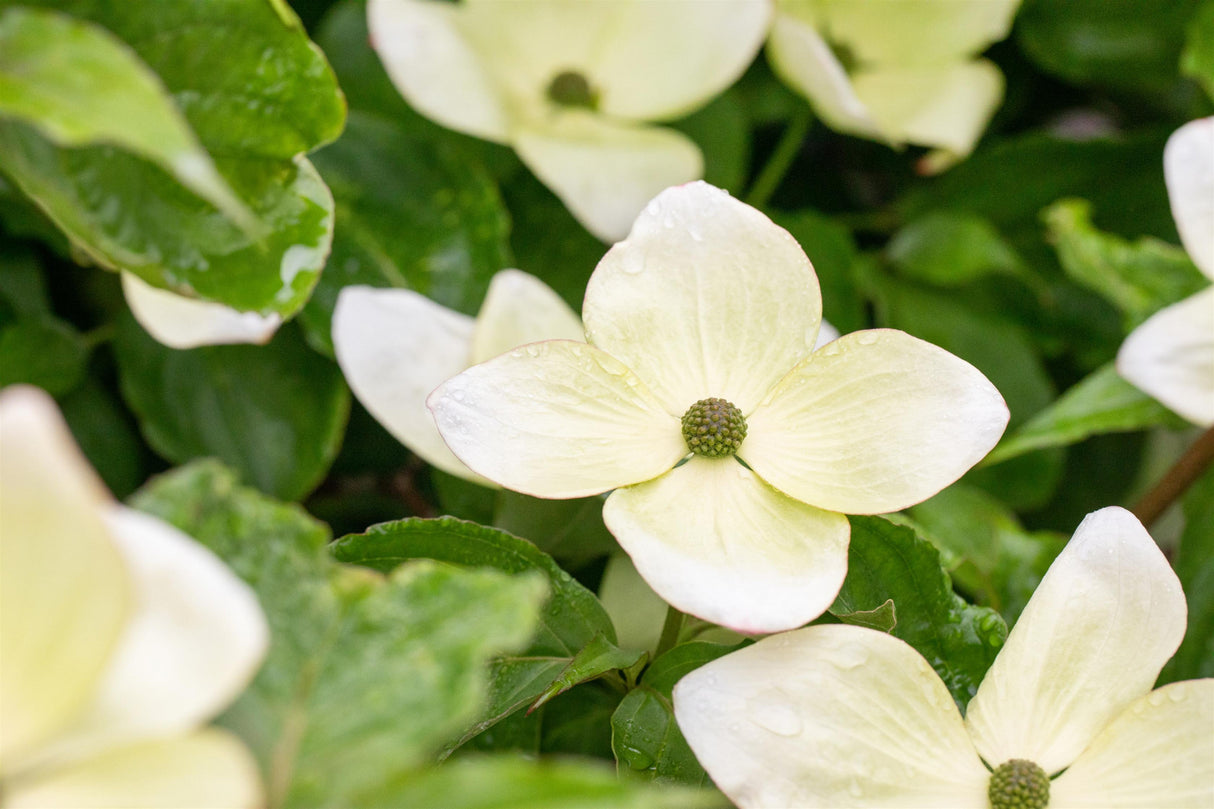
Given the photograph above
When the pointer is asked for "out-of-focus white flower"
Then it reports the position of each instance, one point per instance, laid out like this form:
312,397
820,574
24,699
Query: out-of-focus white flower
842,716
1171,355
181,322
899,71
569,84
119,638
700,333
395,346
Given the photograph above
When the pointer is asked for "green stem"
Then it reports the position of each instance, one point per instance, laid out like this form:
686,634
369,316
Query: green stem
670,632
99,335
1173,484
770,177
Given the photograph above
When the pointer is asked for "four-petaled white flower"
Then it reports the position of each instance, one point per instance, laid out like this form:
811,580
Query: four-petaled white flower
900,71
119,637
569,84
842,716
1171,355
700,330
395,346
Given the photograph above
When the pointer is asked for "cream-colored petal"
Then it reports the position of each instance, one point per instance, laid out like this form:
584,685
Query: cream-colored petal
804,61
915,32
707,297
874,422
210,769
181,322
435,67
1188,169
716,542
1106,617
395,346
520,308
195,639
1158,752
64,589
829,716
1171,357
606,171
625,49
946,107
556,419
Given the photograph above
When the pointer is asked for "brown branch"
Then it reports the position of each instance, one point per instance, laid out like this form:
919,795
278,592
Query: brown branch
1173,484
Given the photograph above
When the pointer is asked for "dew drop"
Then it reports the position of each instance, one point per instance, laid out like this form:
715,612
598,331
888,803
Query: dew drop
867,338
773,712
1155,698
846,657
1178,693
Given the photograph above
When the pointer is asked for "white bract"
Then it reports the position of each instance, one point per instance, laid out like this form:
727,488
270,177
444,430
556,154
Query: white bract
708,299
899,71
570,85
181,322
395,346
1171,355
842,716
119,638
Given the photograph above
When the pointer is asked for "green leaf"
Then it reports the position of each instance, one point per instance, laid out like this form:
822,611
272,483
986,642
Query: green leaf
507,782
951,248
887,561
42,351
570,530
1121,44
125,213
667,670
108,436
992,556
883,619
1197,58
367,675
415,213
648,743
833,253
276,412
1139,277
1194,565
596,658
722,131
1102,402
572,619
79,84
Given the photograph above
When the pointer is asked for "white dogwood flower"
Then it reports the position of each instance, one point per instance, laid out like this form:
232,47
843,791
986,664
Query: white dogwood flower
899,71
181,322
700,332
843,716
119,638
570,85
1171,355
395,346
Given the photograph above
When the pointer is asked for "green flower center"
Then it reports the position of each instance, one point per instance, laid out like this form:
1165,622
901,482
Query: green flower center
571,89
713,428
1019,784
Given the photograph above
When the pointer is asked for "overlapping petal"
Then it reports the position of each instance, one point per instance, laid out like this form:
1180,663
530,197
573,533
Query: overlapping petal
605,171
874,422
706,297
520,308
1093,638
395,346
715,541
1171,357
835,716
435,67
557,419
64,589
1158,752
209,769
1188,169
194,640
181,322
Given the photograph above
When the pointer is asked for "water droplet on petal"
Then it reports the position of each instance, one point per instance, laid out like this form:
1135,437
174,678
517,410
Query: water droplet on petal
773,711
867,338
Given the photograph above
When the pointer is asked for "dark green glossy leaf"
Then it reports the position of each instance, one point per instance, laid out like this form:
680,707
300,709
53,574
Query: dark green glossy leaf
42,351
1194,565
107,434
667,670
1102,402
275,413
412,212
571,530
595,659
648,743
888,561
951,248
832,251
883,618
367,675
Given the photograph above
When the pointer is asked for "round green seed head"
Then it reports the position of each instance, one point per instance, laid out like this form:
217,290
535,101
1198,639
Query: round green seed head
1019,784
571,89
713,428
